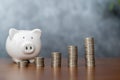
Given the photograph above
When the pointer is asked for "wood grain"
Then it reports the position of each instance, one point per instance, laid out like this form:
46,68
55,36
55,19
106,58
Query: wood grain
106,69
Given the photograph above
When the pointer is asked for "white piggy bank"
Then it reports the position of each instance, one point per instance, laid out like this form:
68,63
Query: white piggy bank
23,44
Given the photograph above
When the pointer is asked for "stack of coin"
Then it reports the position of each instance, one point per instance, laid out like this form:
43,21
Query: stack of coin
39,61
89,51
72,56
23,63
56,59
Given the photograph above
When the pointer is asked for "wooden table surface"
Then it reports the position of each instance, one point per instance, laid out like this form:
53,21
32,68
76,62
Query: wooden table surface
106,69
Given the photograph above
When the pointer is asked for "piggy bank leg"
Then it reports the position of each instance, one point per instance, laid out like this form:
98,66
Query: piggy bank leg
16,60
32,60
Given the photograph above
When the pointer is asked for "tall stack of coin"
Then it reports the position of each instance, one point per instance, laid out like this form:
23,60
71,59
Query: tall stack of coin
56,59
39,61
89,51
72,56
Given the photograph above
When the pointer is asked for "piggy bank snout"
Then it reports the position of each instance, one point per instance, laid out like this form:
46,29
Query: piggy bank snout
28,48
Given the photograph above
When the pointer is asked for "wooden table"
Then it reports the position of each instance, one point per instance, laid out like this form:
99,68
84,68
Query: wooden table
106,69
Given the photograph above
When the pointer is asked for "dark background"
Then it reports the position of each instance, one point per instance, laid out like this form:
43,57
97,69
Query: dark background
63,23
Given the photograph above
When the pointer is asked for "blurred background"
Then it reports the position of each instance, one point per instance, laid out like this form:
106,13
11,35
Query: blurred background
63,23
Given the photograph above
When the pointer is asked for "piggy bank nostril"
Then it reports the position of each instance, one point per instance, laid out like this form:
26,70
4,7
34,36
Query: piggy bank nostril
26,48
30,47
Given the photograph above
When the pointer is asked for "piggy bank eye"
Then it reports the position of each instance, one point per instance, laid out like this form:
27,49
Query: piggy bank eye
31,37
23,37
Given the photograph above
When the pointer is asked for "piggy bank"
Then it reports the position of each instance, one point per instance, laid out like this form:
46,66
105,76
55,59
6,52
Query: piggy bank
23,44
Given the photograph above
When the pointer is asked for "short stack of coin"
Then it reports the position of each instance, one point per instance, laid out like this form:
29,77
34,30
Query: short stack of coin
56,59
39,61
72,56
23,63
89,51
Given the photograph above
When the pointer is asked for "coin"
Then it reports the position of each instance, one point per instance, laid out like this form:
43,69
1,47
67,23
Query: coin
39,61
72,56
89,51
56,59
23,63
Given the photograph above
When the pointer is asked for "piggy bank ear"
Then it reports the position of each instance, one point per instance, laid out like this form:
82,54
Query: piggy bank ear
12,32
37,31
